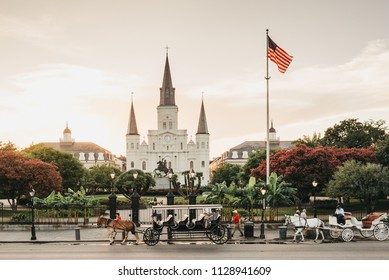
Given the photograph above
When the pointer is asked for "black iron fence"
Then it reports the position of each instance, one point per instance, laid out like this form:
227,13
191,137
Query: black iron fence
88,215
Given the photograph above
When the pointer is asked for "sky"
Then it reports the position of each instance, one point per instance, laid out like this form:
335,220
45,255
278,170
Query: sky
80,61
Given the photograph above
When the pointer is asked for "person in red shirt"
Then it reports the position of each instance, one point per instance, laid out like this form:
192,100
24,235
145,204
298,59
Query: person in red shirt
236,222
118,218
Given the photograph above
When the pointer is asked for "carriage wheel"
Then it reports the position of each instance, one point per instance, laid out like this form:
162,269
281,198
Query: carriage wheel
335,232
381,232
347,234
367,232
151,236
218,234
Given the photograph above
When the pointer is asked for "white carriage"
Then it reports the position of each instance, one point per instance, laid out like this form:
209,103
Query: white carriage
188,221
374,224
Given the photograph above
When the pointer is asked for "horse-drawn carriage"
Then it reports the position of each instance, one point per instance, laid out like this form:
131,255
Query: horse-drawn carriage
375,224
185,221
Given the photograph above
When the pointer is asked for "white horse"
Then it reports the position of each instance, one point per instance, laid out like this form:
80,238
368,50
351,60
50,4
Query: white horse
300,224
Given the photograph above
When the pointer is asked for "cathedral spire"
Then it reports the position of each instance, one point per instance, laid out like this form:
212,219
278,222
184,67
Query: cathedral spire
132,127
167,96
202,127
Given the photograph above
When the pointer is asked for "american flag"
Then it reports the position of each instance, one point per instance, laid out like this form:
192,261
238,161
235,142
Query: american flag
278,56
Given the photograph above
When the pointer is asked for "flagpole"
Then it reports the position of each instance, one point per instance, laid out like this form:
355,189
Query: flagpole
267,109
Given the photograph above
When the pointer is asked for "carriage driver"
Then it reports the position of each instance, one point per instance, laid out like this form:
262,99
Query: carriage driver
339,214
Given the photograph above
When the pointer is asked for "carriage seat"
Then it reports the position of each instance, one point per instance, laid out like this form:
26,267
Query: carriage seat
347,215
368,220
185,220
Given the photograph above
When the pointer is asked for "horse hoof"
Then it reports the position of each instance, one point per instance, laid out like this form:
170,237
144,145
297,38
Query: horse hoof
315,241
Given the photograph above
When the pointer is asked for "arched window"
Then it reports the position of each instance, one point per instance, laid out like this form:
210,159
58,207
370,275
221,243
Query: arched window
132,164
143,165
203,164
191,164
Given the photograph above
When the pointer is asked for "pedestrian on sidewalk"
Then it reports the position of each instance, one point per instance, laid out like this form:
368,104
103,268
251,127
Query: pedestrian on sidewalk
236,221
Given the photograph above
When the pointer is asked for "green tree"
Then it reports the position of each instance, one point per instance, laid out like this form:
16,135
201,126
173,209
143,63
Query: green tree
126,183
382,150
308,141
352,133
253,161
248,197
226,172
278,191
368,182
70,168
222,194
98,178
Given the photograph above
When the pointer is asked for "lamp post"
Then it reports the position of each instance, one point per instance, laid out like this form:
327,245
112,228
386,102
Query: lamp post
192,195
33,235
170,195
314,184
135,200
263,192
112,199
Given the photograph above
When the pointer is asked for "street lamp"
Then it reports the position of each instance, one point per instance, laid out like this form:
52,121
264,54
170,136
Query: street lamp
134,186
314,184
170,195
263,192
192,195
33,235
135,201
112,199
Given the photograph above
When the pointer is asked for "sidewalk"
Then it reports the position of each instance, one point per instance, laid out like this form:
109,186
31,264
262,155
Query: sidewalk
93,234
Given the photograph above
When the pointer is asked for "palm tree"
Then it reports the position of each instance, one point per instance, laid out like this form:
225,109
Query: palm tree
222,194
278,191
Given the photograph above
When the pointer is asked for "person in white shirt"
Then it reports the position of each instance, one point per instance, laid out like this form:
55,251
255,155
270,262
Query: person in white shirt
339,213
303,214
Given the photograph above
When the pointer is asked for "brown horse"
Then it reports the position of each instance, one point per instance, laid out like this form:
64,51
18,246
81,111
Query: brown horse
115,226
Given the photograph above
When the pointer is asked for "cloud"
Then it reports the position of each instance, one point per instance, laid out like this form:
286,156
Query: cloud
304,100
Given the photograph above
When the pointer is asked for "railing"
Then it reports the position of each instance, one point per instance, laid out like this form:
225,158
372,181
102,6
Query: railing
88,215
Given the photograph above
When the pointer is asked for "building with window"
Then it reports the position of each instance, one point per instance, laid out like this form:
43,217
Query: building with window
168,143
240,153
88,153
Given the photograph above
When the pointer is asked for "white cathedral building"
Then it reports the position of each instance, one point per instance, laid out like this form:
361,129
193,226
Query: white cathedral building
168,142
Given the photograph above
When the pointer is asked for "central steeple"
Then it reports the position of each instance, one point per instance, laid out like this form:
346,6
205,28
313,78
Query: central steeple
167,91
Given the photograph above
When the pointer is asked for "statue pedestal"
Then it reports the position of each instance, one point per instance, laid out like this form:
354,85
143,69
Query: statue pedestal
161,183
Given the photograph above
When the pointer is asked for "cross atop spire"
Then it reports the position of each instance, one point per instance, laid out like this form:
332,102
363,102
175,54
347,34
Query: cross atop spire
167,50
